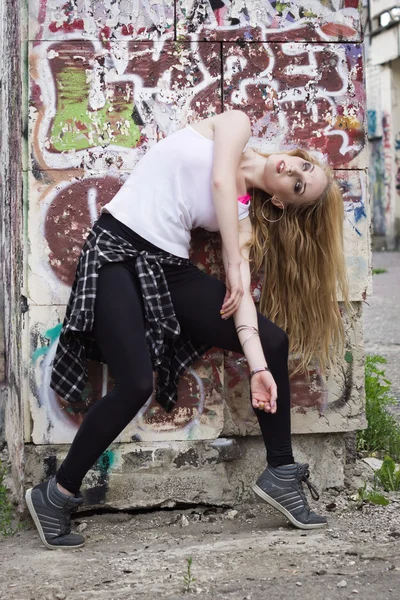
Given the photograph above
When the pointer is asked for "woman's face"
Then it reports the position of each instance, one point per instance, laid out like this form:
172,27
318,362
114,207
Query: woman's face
293,180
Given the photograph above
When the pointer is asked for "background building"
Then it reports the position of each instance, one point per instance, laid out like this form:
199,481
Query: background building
383,110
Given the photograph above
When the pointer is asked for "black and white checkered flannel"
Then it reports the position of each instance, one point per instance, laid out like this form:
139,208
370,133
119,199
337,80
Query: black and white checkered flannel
171,352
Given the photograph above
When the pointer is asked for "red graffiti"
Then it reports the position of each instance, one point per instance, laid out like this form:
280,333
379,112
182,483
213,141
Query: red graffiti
68,221
67,27
299,95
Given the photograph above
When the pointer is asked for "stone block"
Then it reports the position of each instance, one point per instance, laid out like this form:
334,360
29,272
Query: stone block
164,474
65,203
108,22
318,405
63,206
103,21
95,107
198,414
356,232
307,95
256,20
213,395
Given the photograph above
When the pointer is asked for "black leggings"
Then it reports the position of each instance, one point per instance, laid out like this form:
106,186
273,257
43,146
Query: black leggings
119,330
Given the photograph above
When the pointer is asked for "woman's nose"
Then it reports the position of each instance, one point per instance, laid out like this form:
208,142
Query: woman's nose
291,170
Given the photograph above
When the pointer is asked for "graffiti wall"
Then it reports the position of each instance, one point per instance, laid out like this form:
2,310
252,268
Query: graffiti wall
383,83
107,81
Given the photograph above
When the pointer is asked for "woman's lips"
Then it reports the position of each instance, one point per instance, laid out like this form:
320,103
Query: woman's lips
280,166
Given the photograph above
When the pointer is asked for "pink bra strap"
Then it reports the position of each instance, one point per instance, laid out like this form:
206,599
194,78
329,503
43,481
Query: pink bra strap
244,199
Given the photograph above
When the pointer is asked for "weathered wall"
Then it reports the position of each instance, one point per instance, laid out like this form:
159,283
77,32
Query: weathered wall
2,349
11,329
383,92
107,80
396,148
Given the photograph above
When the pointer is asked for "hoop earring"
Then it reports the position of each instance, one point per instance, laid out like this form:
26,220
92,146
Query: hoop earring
275,220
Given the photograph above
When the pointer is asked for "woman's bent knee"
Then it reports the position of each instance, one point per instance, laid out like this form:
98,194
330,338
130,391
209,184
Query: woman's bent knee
283,342
137,389
275,342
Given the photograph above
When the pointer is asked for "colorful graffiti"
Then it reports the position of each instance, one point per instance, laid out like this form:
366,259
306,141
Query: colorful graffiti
372,124
108,21
103,109
95,116
309,20
199,415
104,20
384,169
388,157
301,95
108,81
377,187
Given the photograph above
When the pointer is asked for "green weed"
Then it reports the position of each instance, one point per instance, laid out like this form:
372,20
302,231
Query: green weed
378,271
188,578
372,496
382,435
387,475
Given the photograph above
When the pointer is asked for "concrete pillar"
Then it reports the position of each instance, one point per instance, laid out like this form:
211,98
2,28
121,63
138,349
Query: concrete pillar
11,235
396,147
105,84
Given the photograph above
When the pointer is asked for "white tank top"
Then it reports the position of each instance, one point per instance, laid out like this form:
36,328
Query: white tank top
169,192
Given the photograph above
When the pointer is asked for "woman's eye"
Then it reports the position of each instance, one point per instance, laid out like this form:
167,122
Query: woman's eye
306,166
297,187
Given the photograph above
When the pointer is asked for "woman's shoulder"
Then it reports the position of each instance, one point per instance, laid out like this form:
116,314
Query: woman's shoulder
206,127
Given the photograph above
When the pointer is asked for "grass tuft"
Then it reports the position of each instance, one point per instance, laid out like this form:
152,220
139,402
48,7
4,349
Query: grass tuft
382,435
378,271
188,578
388,476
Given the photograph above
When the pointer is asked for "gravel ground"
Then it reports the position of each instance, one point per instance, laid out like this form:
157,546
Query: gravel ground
250,554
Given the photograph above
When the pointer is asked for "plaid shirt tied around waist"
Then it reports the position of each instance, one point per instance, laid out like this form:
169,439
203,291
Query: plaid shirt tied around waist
171,352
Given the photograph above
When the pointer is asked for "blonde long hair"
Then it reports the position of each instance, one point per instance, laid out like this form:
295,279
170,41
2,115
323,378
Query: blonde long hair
302,259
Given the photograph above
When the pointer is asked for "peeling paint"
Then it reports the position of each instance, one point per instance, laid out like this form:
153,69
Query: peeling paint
107,81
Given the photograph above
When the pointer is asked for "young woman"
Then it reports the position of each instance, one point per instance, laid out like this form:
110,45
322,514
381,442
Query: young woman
140,305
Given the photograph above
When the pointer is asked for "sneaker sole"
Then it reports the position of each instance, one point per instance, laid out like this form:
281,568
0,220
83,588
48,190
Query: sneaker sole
36,520
257,490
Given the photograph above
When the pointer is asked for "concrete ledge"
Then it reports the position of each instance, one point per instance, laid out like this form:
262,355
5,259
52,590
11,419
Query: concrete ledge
216,472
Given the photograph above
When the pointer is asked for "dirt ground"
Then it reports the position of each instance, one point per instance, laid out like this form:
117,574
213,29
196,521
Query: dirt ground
251,554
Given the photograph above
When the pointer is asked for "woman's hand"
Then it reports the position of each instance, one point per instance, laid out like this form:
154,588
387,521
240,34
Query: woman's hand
234,291
263,391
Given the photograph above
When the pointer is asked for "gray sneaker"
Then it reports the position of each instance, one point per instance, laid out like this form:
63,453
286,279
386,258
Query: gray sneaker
51,511
282,488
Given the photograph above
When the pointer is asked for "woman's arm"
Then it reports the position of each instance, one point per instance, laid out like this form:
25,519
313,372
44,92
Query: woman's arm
246,314
231,132
263,387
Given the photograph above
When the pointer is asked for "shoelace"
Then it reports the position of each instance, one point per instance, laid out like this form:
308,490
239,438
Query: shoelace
65,519
65,528
303,474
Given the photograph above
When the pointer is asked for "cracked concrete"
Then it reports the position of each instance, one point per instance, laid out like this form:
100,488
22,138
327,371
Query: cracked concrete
250,554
